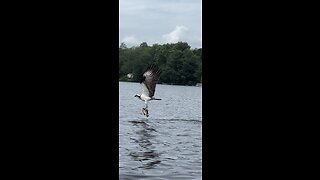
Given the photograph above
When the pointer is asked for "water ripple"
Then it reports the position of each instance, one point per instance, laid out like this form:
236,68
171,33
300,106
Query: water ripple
167,144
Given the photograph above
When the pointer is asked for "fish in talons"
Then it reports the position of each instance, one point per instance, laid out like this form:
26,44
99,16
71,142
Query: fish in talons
145,112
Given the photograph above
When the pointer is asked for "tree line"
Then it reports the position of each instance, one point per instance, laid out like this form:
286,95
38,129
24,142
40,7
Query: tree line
180,65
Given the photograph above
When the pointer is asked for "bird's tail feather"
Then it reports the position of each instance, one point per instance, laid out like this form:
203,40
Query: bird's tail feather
156,99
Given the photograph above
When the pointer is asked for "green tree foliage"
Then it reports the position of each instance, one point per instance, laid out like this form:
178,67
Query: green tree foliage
178,62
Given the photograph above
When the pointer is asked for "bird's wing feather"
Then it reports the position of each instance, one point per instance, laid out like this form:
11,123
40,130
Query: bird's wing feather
150,79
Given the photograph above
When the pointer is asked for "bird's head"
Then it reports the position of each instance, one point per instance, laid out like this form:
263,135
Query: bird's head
137,95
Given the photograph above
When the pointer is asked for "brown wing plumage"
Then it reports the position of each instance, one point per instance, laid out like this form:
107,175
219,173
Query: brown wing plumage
150,79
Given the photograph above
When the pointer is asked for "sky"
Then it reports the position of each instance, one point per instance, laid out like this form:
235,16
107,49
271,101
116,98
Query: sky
160,21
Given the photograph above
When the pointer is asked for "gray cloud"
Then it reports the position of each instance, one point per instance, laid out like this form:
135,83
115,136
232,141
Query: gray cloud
160,21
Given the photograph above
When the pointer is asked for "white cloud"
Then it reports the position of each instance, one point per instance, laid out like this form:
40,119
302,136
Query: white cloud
131,41
178,34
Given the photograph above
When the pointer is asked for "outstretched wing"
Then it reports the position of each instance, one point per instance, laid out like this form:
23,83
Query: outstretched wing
149,80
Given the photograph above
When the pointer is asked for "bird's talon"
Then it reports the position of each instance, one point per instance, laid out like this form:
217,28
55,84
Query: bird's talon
145,112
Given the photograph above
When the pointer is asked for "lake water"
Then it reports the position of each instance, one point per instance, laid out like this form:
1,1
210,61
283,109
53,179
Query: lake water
167,144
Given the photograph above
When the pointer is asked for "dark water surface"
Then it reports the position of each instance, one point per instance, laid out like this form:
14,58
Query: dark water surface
167,144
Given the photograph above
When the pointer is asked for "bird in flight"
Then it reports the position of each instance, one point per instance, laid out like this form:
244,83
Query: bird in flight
148,83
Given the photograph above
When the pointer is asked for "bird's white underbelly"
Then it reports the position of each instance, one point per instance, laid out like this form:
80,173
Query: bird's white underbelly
144,97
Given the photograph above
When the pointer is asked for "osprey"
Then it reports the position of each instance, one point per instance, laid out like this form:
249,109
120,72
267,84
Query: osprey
148,83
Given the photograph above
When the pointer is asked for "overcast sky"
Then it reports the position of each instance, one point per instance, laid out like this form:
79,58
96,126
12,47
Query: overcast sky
160,21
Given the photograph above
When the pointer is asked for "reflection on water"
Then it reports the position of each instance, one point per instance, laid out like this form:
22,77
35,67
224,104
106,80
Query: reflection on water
147,154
